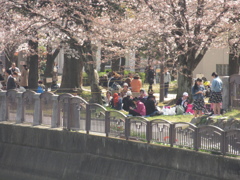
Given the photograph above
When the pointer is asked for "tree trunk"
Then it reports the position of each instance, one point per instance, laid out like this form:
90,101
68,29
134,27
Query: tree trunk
116,65
184,82
48,73
33,65
123,62
72,76
88,53
161,93
233,64
94,81
102,67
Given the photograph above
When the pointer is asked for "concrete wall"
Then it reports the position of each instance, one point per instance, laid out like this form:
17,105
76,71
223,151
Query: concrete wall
35,153
208,64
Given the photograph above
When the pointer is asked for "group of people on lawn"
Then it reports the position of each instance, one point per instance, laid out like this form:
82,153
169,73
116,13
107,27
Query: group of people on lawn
137,102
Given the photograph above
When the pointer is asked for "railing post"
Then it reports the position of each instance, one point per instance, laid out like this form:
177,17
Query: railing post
68,109
171,134
149,131
37,110
195,142
107,122
88,118
19,116
223,143
54,120
3,105
127,128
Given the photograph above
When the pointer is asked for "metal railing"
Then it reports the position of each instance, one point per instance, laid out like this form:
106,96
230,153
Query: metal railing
74,113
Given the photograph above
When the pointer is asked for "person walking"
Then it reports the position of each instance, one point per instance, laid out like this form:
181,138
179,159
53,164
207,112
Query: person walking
167,80
216,95
150,77
24,77
198,98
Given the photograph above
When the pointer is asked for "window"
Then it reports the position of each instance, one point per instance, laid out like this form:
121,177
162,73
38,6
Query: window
222,69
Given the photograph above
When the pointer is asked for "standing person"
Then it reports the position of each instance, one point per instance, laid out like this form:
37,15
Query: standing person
24,77
150,77
117,102
198,95
136,85
167,80
216,95
10,80
13,69
140,109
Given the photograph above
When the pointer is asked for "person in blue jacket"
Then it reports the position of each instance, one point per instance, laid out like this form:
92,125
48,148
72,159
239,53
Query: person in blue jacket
198,98
216,94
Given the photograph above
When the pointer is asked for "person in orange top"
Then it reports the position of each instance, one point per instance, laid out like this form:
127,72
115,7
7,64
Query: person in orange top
136,85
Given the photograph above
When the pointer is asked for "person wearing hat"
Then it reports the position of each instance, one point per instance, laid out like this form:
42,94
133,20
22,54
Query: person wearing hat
140,109
124,89
183,101
136,85
127,101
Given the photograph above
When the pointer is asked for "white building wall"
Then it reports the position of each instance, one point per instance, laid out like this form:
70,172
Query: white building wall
208,64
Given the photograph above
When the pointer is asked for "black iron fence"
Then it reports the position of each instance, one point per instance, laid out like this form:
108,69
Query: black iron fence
75,114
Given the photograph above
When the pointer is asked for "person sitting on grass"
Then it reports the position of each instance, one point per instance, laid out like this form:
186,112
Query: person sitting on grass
124,90
108,98
127,101
143,96
140,109
183,101
150,104
117,102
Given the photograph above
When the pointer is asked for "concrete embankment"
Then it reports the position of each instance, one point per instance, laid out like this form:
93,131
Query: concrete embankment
36,153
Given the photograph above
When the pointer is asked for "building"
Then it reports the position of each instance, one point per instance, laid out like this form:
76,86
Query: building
215,60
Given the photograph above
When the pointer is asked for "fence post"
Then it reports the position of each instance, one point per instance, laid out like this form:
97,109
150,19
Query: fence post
171,134
88,118
223,143
107,122
3,106
37,110
68,108
127,128
54,120
149,131
195,142
19,117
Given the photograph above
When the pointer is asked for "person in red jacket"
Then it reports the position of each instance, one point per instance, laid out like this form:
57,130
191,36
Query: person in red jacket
140,109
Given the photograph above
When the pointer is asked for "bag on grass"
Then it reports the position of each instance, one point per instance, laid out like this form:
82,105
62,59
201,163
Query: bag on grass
180,110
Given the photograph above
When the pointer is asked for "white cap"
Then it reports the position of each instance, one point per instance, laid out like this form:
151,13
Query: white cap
125,84
129,93
185,94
